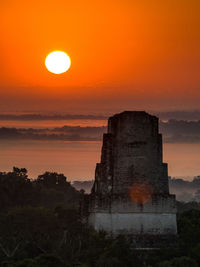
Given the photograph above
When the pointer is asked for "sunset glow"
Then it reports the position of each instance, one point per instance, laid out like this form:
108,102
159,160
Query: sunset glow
137,53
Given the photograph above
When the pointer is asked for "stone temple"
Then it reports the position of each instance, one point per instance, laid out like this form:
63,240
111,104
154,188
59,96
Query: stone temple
130,194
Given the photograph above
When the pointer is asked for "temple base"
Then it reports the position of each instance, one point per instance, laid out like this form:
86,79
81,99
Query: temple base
134,223
148,230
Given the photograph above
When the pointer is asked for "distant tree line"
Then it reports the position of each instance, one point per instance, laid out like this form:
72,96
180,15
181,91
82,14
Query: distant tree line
41,226
173,131
185,191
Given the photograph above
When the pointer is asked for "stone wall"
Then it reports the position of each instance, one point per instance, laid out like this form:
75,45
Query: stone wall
134,223
131,190
131,152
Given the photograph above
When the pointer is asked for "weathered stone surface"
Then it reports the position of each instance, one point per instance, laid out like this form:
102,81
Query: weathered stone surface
134,223
131,193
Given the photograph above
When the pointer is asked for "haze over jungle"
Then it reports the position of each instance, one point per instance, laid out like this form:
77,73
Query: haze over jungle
62,141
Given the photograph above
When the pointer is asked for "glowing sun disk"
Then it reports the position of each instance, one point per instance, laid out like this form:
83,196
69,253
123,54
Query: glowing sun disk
57,62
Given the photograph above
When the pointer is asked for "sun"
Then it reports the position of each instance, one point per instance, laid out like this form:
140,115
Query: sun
57,62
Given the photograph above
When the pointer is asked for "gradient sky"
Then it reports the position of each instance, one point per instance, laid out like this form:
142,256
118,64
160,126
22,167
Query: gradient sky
125,54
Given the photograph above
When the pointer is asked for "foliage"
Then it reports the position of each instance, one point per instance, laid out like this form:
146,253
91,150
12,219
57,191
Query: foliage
28,229
189,230
45,260
15,189
117,254
41,225
179,262
182,206
48,190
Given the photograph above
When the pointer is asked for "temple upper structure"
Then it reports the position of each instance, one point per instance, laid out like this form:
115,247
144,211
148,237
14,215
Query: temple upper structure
130,194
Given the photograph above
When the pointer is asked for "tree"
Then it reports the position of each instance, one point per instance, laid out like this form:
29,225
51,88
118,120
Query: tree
189,230
49,260
15,189
179,262
164,264
197,195
27,263
105,261
195,253
29,231
43,260
52,179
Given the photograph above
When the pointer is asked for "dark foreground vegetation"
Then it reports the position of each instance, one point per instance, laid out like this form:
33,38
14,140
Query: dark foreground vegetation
41,226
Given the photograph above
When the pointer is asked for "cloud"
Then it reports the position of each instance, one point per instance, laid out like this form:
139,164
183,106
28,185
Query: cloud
193,115
68,133
38,117
183,131
173,131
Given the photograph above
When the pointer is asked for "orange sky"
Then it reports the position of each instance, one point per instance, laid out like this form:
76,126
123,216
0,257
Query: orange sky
125,54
